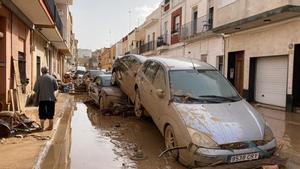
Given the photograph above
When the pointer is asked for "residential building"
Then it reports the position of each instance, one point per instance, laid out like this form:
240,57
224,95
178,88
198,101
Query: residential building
152,31
84,53
119,49
125,49
173,16
262,47
135,40
29,41
200,42
105,59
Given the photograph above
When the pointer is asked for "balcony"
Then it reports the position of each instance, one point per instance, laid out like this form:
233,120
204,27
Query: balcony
162,40
195,28
50,4
150,46
44,15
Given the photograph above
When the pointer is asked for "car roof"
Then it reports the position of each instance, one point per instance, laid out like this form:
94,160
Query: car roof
176,63
140,57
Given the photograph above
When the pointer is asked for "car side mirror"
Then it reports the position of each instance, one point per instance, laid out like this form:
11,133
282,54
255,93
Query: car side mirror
160,93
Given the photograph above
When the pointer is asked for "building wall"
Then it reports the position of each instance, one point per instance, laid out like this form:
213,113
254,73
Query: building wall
272,40
228,11
16,39
211,47
119,50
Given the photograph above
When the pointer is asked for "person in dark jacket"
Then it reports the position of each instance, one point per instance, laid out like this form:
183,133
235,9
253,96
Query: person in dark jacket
45,88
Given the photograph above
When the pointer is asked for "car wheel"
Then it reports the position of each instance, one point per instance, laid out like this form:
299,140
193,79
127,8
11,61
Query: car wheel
101,103
114,79
138,109
170,142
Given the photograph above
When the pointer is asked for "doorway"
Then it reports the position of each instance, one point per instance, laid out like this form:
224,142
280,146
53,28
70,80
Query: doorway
38,67
296,78
236,70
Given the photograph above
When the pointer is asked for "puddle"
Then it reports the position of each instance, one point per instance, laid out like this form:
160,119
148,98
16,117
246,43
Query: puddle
115,142
90,147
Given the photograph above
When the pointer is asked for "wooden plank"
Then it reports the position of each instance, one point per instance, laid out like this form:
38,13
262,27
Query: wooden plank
12,99
17,80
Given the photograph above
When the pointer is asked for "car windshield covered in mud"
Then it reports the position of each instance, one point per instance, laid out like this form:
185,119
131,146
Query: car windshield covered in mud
207,86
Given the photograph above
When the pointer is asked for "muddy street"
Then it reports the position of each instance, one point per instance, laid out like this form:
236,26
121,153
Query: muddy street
106,142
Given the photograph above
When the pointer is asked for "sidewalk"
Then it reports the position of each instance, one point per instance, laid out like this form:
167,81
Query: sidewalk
31,150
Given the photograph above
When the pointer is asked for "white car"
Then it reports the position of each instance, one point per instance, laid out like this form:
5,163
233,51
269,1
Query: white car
203,119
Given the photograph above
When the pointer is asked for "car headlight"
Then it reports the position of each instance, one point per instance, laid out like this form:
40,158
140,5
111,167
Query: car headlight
201,139
268,134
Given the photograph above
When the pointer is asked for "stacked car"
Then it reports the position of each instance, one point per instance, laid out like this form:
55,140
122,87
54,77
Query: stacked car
200,114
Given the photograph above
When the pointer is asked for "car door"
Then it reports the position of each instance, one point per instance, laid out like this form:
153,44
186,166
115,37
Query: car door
159,96
123,73
133,65
146,91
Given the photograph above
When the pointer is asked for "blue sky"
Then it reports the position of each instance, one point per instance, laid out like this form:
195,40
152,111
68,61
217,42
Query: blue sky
100,23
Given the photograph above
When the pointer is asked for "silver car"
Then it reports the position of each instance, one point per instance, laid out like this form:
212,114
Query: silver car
203,119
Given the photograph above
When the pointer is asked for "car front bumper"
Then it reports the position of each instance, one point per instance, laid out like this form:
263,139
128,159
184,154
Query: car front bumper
205,156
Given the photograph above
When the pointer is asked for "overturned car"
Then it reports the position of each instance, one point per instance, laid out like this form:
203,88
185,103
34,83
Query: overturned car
203,119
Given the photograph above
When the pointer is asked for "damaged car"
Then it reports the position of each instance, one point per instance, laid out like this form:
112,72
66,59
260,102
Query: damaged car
124,72
104,94
203,119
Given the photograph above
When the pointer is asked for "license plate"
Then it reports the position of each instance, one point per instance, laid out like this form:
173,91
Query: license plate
244,157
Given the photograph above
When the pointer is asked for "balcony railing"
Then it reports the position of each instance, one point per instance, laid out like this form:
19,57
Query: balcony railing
194,28
55,15
148,47
162,40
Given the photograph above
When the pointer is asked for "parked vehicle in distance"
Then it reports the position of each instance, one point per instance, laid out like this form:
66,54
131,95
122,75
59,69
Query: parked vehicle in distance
124,72
203,119
103,93
89,76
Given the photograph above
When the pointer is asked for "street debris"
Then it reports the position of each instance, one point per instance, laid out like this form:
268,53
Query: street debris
15,123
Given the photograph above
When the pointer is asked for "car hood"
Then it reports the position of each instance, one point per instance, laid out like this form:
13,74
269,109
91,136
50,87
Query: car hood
225,122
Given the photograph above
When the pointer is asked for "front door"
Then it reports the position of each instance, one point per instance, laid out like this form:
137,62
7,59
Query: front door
235,72
239,73
296,79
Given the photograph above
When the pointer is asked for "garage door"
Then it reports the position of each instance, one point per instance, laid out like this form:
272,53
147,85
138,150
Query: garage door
271,80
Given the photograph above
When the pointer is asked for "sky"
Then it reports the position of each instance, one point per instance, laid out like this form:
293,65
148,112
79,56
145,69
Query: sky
101,23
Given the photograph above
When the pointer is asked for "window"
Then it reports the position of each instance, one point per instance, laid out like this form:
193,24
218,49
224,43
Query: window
177,23
211,17
160,80
204,58
220,63
22,66
151,71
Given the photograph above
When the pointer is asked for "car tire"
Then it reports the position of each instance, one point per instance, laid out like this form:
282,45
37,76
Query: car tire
101,103
171,142
138,108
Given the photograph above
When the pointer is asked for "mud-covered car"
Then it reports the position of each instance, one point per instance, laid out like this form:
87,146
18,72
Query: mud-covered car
124,72
89,75
104,94
203,119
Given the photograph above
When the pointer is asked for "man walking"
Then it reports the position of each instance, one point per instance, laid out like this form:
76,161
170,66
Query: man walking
45,88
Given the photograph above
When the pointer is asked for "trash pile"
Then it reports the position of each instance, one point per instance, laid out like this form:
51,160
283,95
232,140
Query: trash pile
14,123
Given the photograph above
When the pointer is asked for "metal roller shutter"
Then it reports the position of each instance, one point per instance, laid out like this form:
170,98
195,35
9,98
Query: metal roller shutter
271,80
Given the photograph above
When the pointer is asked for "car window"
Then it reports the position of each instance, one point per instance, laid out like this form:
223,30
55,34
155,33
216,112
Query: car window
125,60
145,65
134,64
151,71
160,79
